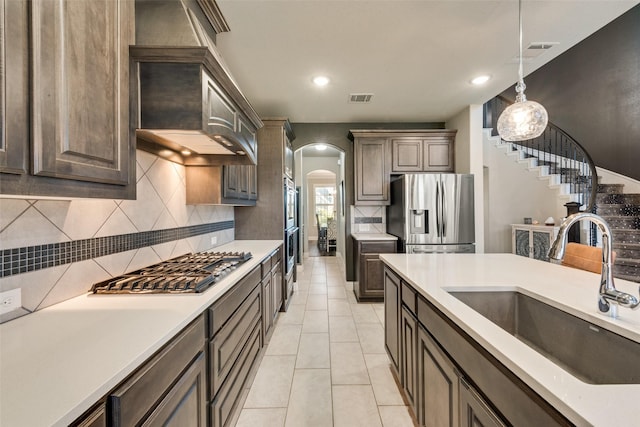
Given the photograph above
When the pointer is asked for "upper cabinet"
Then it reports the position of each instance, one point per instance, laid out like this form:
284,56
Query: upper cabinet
380,153
432,152
66,112
372,170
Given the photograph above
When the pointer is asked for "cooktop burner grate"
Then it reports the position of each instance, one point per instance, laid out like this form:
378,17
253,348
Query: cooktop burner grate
190,273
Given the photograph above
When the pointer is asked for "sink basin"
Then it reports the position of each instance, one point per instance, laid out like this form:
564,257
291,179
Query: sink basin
591,353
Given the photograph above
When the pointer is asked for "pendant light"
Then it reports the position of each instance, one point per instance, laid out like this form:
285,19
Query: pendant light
523,119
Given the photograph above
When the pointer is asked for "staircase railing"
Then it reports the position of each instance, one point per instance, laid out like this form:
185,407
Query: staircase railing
556,149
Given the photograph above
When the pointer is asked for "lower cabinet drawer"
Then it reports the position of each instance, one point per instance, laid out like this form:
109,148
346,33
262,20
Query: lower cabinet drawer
227,344
229,395
129,403
185,404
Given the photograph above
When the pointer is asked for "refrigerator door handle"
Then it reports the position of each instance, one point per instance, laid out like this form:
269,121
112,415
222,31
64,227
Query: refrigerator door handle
444,212
437,209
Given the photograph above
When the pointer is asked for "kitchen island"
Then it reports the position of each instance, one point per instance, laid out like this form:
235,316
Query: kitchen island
431,277
58,362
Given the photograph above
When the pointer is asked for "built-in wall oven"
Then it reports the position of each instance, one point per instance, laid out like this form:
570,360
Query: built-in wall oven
290,248
289,204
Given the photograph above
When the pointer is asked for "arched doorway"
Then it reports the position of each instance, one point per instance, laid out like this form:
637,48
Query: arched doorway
320,176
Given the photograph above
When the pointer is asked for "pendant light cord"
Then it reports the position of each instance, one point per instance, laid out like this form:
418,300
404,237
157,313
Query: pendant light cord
520,86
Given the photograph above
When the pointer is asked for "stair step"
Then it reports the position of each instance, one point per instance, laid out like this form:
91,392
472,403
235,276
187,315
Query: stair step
618,210
619,222
626,236
627,267
627,250
610,188
631,278
618,199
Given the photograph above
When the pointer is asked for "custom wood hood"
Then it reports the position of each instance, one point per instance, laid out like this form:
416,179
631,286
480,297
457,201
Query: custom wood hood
189,103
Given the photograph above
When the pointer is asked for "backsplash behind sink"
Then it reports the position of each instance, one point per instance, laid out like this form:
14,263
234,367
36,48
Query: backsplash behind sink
54,250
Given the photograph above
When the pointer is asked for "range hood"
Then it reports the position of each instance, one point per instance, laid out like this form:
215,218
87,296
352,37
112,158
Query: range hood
191,110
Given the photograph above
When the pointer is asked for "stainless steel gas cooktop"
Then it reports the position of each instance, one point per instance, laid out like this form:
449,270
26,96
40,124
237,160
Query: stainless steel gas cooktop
190,273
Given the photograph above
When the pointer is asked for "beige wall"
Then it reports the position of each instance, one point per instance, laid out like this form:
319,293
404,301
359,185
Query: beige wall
468,159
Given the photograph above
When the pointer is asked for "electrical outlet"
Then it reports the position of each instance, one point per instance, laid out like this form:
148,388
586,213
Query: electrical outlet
214,240
10,300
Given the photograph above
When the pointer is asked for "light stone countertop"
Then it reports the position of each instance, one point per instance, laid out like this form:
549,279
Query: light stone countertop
57,362
572,290
373,236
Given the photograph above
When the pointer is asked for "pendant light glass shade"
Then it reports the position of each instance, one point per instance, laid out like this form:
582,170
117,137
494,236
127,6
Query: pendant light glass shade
523,119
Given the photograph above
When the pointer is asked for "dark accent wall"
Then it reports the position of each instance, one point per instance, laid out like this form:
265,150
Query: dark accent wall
592,92
336,134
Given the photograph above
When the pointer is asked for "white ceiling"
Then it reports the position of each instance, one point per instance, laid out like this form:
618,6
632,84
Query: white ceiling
416,57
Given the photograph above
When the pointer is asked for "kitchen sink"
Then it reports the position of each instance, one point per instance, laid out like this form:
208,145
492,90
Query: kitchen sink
589,352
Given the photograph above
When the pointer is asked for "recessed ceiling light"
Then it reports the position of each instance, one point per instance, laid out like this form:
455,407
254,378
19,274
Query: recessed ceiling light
185,152
321,147
321,80
480,80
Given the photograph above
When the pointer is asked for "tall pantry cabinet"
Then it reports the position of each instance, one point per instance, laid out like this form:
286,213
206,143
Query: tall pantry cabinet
267,219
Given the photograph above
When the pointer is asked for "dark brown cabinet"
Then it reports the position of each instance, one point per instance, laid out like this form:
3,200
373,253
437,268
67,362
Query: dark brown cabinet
96,417
379,153
240,182
69,133
369,284
372,169
236,337
431,152
271,291
408,340
406,155
171,384
14,97
392,316
266,220
438,385
473,410
438,362
234,185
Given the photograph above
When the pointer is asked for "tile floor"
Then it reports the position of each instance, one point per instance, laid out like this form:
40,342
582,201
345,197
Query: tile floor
325,364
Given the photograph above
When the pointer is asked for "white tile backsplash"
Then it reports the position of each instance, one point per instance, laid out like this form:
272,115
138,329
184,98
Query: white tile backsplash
160,204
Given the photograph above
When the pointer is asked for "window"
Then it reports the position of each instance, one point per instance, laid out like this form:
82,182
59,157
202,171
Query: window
325,200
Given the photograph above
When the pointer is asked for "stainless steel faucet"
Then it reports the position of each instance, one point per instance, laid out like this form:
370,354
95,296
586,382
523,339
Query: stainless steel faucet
610,297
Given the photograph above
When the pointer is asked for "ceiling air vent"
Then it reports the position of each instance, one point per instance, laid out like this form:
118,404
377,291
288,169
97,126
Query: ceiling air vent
542,45
360,98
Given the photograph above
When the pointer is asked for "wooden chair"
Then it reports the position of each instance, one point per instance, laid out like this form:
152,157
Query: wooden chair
584,257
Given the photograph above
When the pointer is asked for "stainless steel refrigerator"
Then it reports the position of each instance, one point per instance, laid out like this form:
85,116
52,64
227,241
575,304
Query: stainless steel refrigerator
432,213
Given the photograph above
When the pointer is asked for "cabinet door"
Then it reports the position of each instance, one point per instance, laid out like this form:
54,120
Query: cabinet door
96,418
186,403
408,341
372,171
521,242
392,316
371,276
267,305
438,155
231,182
541,242
406,155
252,181
14,87
80,89
438,385
474,412
278,285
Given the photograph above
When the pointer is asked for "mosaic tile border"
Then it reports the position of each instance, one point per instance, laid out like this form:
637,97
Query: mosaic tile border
368,220
31,258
